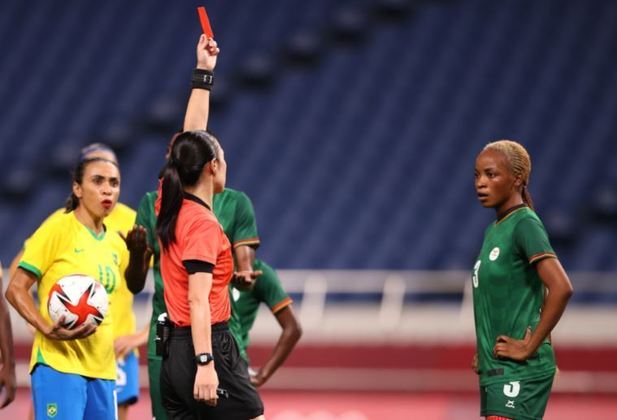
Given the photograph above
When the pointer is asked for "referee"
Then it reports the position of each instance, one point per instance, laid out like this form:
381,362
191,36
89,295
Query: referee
202,359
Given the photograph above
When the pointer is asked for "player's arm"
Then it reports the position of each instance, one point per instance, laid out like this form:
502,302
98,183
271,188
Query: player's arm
206,379
244,277
15,263
125,344
197,110
290,334
559,290
139,259
7,374
18,295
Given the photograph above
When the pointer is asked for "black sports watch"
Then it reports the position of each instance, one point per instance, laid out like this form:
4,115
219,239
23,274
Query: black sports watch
203,359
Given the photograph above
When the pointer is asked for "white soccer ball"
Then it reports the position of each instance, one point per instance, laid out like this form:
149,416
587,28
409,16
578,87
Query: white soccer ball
79,298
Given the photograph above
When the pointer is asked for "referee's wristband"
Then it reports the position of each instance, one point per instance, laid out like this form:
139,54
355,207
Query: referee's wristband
202,79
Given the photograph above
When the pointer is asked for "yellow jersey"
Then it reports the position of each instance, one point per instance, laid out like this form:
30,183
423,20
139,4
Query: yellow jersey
121,219
63,246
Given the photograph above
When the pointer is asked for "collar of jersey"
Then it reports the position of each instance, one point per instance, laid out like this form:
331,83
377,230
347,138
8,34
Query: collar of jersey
97,236
510,212
196,199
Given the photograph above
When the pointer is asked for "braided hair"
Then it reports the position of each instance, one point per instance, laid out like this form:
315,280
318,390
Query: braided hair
518,161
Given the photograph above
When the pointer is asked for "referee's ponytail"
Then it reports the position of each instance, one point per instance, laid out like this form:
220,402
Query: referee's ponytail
191,151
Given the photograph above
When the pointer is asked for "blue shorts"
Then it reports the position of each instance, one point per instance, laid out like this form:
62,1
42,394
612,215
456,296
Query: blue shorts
61,396
127,382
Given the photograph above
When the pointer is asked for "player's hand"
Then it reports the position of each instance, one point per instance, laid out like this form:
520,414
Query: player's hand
125,344
8,382
207,52
137,243
245,279
510,348
257,378
474,363
58,332
206,383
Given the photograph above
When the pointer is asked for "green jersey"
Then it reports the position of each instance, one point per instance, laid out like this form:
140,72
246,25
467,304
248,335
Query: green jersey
508,295
244,304
146,217
234,211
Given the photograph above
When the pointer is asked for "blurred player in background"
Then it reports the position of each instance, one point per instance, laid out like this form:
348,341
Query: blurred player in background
515,359
235,213
126,340
73,371
8,382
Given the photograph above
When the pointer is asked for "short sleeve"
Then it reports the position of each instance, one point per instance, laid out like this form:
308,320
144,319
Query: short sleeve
40,249
270,290
531,240
203,241
245,225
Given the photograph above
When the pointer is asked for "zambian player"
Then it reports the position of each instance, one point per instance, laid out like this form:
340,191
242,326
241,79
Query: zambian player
520,290
235,212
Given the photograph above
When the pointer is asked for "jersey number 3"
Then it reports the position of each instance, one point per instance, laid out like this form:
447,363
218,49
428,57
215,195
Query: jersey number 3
474,277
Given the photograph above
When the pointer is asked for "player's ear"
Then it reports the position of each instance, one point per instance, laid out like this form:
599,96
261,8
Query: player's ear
518,181
214,166
77,190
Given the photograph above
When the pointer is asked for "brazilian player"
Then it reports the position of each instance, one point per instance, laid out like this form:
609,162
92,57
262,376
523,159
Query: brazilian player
520,290
126,340
73,371
7,357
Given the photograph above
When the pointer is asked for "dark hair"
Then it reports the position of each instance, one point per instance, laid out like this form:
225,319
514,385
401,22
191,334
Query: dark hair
95,147
78,176
190,152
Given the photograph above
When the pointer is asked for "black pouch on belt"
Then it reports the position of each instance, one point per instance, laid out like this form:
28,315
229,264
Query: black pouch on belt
163,331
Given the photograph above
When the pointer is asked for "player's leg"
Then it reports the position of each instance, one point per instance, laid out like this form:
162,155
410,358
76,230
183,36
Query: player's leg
58,395
516,399
101,403
154,378
127,384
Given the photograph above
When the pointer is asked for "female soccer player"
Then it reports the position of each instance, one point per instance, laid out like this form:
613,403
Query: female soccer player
513,318
234,211
197,266
120,220
73,371
7,358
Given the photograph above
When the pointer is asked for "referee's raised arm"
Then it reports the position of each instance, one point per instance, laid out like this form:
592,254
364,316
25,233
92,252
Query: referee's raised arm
196,117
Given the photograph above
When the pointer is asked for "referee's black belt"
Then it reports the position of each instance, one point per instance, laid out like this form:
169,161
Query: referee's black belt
177,331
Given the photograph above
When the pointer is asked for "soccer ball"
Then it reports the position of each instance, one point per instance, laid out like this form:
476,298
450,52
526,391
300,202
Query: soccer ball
80,299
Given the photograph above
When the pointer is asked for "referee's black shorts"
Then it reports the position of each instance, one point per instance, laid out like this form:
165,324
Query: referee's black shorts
178,377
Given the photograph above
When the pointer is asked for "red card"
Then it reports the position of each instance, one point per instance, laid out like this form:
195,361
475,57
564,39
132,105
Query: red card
205,22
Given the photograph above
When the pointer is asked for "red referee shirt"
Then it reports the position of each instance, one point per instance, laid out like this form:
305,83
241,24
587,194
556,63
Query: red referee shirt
199,236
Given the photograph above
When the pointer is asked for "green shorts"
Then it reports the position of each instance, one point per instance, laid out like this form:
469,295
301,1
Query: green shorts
525,399
154,375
